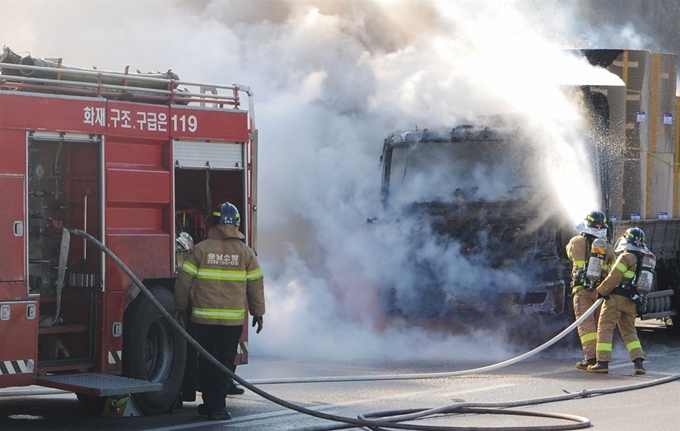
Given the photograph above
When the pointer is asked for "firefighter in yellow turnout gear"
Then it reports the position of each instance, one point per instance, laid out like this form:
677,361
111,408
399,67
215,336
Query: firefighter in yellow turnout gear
591,258
227,275
619,309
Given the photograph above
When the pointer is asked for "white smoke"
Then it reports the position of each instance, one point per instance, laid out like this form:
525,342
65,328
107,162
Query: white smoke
331,80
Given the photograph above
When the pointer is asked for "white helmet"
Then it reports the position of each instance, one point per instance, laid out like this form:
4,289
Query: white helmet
184,242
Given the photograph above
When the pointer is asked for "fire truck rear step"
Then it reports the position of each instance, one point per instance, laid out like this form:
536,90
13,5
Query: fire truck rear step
98,385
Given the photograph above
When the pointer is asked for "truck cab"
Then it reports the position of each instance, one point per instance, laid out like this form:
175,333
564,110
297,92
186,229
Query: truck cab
474,192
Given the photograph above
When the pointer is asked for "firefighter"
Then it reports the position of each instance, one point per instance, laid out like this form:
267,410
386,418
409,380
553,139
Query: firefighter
590,254
619,307
226,274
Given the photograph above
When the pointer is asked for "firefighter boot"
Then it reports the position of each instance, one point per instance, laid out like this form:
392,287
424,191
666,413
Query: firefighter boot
234,389
203,410
219,415
583,365
639,368
599,367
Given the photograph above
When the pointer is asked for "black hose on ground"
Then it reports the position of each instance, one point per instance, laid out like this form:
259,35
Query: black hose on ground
378,421
399,416
465,407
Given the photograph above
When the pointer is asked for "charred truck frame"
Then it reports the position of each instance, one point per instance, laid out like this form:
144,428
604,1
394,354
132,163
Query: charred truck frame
133,160
635,149
498,232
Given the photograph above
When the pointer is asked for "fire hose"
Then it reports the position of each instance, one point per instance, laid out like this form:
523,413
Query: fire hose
395,419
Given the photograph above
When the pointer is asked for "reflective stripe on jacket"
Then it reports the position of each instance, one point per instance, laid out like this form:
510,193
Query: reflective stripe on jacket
226,274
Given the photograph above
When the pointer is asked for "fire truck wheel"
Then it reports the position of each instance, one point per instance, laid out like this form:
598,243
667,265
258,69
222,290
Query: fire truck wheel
154,351
93,405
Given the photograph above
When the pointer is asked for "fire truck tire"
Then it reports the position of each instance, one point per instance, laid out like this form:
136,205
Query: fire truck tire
153,350
93,405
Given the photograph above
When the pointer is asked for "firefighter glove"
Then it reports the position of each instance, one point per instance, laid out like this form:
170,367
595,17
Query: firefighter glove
599,295
257,320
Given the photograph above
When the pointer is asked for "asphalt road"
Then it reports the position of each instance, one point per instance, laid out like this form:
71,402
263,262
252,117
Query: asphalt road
549,374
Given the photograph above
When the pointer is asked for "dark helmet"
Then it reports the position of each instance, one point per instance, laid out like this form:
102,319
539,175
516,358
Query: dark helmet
635,236
596,219
228,214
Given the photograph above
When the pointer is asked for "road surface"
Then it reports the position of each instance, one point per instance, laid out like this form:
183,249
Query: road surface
550,373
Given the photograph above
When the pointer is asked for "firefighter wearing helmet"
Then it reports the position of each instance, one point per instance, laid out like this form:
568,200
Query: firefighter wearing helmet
226,275
591,258
633,268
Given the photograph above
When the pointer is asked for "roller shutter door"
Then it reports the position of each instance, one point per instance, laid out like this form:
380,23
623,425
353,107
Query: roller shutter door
208,155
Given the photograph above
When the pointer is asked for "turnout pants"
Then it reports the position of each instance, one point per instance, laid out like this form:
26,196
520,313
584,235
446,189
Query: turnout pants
221,342
618,310
587,330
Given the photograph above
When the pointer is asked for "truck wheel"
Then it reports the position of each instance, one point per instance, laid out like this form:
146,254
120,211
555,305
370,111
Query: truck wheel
154,351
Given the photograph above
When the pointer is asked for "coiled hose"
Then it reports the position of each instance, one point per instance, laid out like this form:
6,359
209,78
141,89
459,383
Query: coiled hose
395,419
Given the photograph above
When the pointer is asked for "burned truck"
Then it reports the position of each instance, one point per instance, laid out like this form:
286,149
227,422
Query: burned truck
487,236
484,238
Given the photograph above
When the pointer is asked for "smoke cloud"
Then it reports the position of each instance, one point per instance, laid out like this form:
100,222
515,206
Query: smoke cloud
331,80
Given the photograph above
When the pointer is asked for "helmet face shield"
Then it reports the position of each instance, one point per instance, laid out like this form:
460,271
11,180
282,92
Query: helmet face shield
632,239
598,233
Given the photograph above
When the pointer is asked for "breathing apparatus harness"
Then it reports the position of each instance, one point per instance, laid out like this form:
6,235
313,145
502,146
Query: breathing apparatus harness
642,282
591,274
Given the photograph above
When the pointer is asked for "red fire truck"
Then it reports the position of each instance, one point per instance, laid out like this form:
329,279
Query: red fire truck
134,160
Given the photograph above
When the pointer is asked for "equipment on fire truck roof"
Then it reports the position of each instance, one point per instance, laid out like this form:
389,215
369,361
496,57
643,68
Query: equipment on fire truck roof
29,73
69,73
